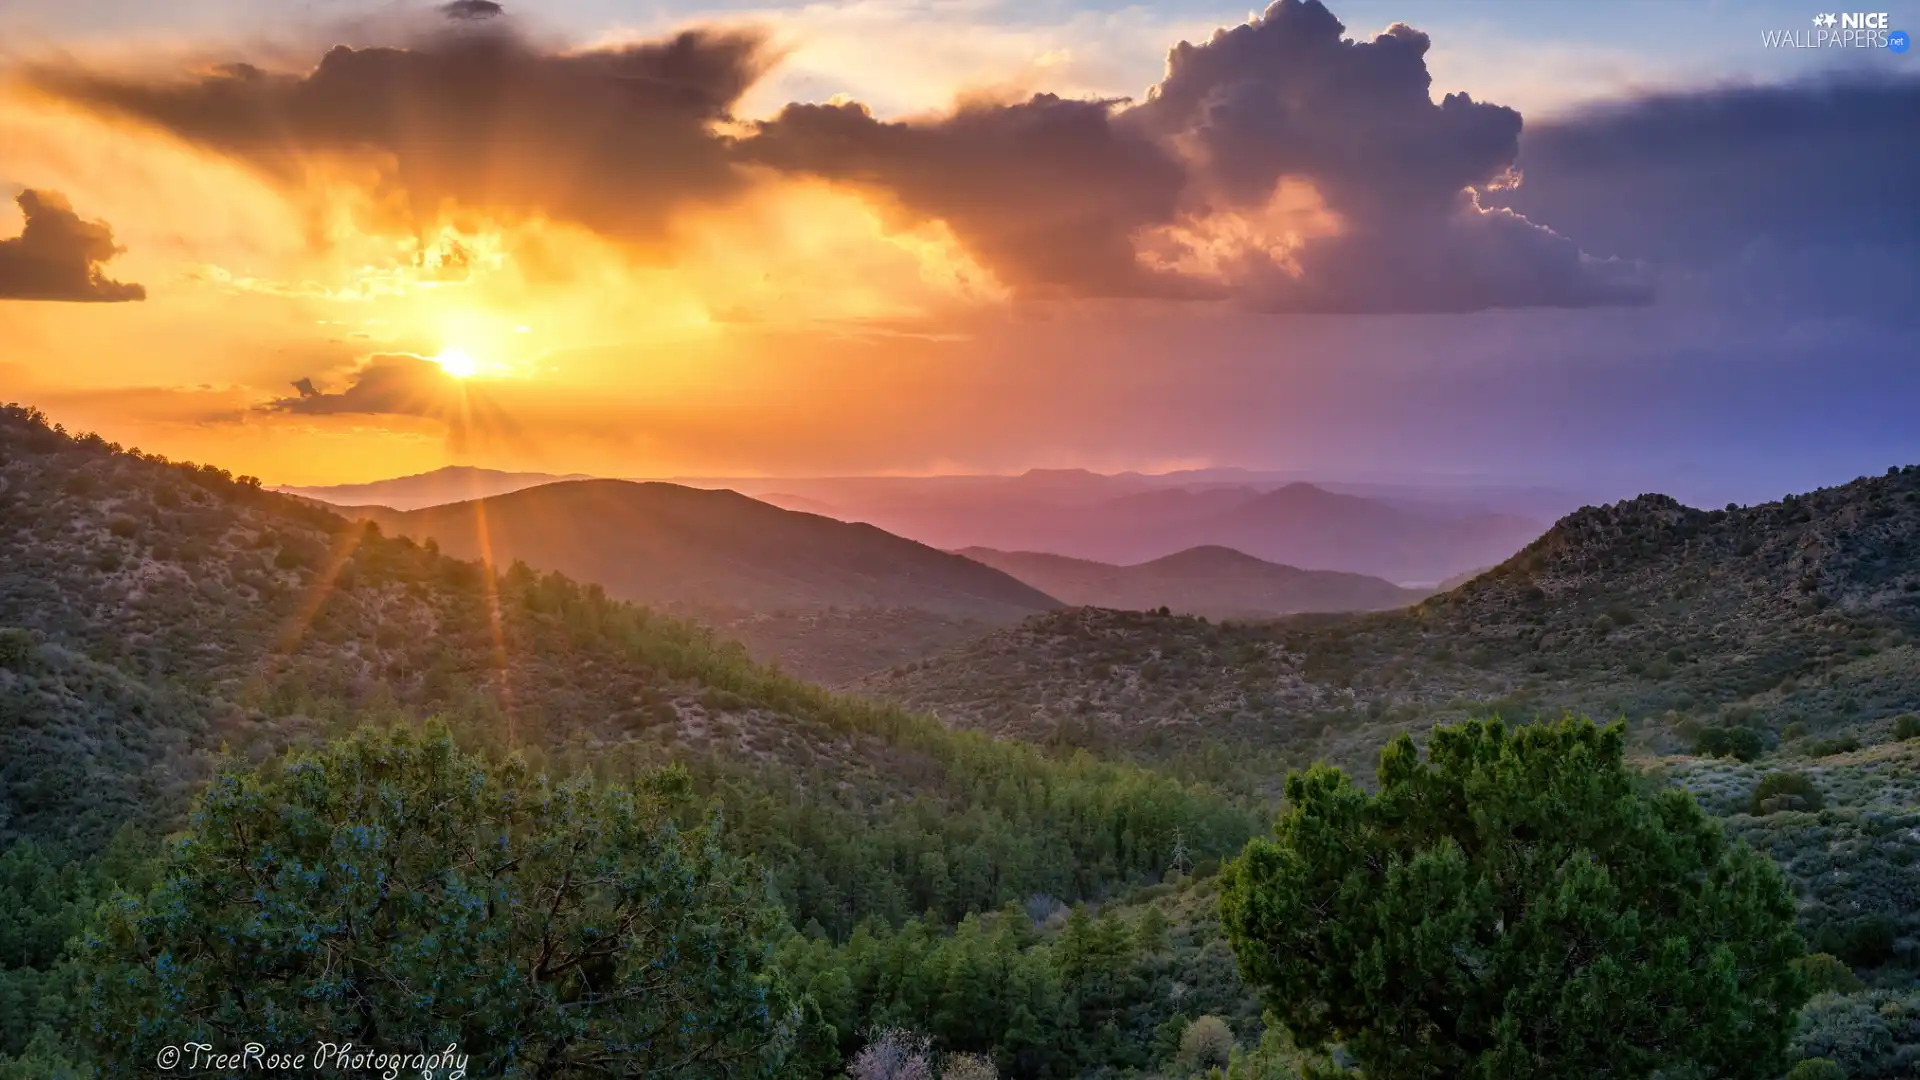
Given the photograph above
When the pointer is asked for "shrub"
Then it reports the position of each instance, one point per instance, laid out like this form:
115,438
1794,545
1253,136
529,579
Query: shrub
1837,744
16,645
893,1054
1826,974
1207,1043
969,1067
1739,743
1906,726
1863,941
1816,1069
1784,791
1849,1032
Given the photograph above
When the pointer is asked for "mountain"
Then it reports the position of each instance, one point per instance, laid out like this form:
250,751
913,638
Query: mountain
660,543
1805,611
1215,582
1402,531
1301,525
1307,526
155,617
455,483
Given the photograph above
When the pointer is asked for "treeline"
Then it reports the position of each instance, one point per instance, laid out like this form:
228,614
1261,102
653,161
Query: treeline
391,886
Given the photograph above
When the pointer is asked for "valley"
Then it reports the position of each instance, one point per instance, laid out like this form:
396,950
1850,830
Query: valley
161,620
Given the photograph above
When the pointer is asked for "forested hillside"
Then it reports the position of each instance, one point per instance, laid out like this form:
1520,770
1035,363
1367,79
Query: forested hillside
154,613
882,884
1802,612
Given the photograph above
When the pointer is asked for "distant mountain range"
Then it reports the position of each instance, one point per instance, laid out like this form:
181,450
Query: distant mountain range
665,544
1797,619
455,483
1298,525
1402,532
1215,582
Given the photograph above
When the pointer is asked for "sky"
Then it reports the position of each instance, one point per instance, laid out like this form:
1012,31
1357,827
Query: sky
1618,247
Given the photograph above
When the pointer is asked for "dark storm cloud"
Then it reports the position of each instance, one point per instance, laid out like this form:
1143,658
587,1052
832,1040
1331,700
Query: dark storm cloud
57,256
614,139
1055,194
1056,197
1689,177
1797,195
1289,96
471,9
1048,193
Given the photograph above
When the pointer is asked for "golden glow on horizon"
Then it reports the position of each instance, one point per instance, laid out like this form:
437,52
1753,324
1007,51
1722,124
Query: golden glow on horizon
594,351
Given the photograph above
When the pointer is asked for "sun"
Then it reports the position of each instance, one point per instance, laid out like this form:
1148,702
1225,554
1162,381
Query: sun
457,362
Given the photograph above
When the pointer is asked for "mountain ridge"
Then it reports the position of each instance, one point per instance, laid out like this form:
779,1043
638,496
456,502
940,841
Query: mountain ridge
659,543
1210,580
1804,611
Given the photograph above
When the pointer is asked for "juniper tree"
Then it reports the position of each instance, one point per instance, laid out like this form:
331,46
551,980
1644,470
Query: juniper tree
1516,905
394,892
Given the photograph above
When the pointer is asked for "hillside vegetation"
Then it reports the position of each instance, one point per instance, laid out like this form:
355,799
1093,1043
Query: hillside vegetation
1766,659
155,613
163,624
1799,616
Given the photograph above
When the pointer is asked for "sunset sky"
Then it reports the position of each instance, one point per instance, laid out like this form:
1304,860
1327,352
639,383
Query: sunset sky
327,242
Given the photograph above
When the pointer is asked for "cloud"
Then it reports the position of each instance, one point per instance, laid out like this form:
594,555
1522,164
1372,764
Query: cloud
399,384
1048,193
1690,177
475,116
1279,164
471,9
1798,194
405,385
57,256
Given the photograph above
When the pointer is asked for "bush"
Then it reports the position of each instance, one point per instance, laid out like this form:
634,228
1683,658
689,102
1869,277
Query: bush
1207,1043
1849,1032
1816,1069
16,645
1739,743
969,1067
1906,726
1863,941
1784,791
893,1055
1837,744
1826,974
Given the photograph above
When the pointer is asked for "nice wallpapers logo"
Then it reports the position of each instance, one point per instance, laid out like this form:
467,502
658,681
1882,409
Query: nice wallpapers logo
1843,30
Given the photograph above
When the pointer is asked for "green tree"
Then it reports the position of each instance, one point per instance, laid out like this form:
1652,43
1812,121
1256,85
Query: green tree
1816,1069
1207,1043
394,892
1515,906
1784,791
1827,974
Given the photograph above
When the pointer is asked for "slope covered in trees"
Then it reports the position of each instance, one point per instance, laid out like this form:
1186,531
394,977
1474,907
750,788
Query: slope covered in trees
1802,612
154,613
1001,904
